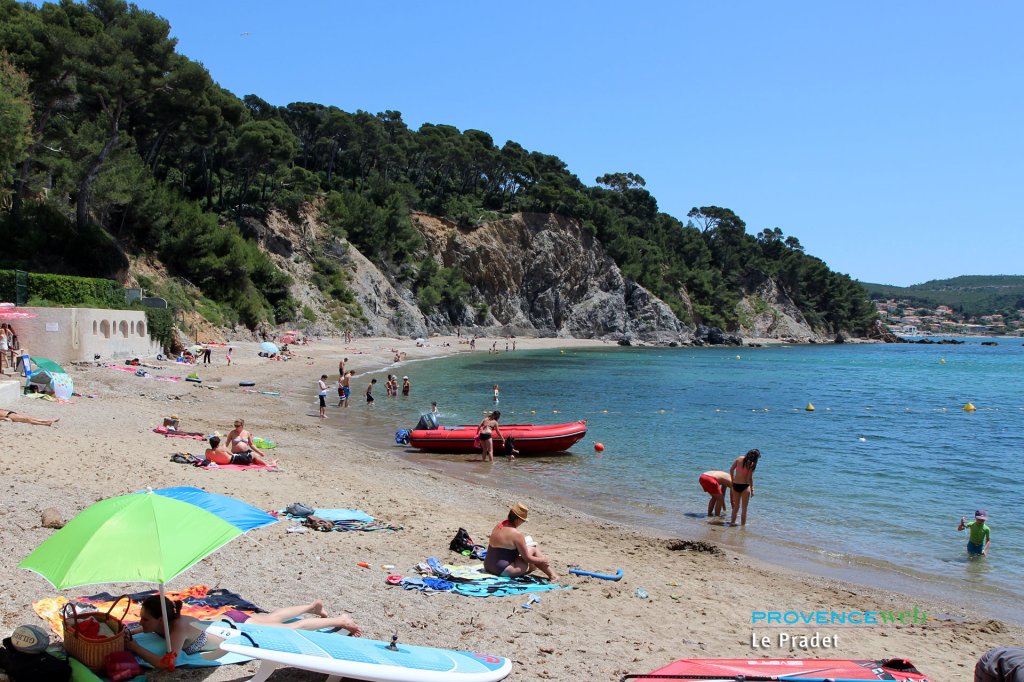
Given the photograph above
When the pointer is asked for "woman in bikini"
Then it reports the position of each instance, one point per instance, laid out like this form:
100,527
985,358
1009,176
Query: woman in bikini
219,454
742,472
189,640
508,553
240,440
486,432
11,416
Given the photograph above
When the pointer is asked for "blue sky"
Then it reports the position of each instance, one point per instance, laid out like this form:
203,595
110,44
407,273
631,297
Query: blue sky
886,136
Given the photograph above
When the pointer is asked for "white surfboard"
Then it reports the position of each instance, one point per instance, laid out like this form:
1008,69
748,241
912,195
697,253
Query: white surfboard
354,657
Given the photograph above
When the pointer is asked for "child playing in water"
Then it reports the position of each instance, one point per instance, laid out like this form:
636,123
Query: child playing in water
714,484
979,533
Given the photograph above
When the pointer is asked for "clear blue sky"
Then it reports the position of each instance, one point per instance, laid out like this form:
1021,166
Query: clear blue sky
886,136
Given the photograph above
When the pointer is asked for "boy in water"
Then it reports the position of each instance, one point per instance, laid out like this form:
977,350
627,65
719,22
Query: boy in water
714,484
980,534
369,392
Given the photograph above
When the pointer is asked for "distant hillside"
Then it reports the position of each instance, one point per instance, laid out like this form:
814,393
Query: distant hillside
970,295
121,158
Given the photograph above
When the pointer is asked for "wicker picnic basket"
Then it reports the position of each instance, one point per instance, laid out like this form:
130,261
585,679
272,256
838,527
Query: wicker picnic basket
92,652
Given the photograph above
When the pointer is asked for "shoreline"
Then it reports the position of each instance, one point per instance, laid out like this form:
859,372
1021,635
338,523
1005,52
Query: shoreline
775,553
700,602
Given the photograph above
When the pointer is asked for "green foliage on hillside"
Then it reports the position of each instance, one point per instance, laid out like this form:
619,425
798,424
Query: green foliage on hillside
969,295
135,142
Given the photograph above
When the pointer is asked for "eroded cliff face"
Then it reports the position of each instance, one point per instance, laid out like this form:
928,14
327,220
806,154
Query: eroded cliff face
542,274
767,312
530,274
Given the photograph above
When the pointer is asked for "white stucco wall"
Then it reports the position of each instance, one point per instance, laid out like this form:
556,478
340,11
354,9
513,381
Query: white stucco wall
77,334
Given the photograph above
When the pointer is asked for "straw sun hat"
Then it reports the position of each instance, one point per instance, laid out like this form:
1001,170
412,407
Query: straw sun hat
520,510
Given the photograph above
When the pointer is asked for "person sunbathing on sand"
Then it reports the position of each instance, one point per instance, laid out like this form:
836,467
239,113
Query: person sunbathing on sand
219,454
240,440
11,416
509,553
188,640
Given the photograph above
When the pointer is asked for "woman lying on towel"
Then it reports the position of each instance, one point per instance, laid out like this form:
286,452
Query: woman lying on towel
189,640
219,454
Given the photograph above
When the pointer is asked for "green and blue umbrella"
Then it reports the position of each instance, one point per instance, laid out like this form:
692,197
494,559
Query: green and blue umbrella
147,537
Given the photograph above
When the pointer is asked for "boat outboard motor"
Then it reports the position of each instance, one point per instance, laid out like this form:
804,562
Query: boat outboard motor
428,422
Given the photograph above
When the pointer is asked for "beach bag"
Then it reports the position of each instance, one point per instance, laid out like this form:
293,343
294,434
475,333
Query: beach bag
24,667
93,651
121,666
299,509
462,542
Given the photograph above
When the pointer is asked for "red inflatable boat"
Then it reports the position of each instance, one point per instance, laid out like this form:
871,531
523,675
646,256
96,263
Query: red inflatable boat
529,438
754,669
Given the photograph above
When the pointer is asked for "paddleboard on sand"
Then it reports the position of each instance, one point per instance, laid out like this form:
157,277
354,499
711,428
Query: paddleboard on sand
353,657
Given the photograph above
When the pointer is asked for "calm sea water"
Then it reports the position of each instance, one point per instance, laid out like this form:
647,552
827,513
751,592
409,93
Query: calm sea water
869,486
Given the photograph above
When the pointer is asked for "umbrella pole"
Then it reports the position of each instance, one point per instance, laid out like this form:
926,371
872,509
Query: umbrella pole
171,655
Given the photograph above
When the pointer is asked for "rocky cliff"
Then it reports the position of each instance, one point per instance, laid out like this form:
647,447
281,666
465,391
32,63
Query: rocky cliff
530,274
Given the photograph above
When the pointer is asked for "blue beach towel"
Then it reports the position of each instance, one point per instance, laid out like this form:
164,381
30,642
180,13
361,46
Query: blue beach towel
500,586
156,644
343,515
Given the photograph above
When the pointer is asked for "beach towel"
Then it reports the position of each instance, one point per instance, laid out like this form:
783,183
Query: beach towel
145,375
242,467
163,431
198,601
473,581
345,519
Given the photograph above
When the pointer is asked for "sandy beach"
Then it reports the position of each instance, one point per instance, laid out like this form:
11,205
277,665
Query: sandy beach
701,598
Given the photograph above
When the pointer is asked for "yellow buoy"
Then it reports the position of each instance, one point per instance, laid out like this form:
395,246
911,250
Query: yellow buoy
969,407
942,361
810,407
738,357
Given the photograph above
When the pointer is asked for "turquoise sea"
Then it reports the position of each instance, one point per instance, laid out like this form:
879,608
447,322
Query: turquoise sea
869,486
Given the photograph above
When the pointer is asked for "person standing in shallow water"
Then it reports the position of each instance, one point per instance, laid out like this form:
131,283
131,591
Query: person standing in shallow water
487,432
742,473
495,393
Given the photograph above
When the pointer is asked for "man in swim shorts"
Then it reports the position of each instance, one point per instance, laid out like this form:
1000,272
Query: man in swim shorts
980,534
714,484
369,392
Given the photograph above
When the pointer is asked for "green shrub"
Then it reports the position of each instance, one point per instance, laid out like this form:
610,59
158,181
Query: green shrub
161,326
66,291
308,313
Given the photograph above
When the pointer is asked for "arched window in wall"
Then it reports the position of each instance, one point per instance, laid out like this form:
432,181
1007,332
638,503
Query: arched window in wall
105,328
124,329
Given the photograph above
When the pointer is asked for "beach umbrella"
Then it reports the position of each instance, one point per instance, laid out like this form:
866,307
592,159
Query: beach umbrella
8,314
47,364
57,383
150,538
268,347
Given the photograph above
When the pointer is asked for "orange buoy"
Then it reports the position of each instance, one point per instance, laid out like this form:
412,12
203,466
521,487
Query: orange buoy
362,564
598,447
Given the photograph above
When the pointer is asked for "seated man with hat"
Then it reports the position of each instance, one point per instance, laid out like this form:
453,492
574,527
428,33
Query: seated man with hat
512,554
